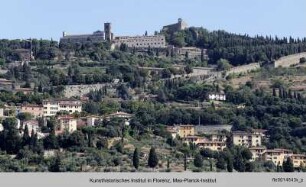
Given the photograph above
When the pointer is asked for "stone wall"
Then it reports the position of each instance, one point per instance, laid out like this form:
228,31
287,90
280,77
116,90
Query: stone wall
243,69
287,61
80,90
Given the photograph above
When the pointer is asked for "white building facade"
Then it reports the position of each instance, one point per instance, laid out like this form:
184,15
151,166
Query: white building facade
52,107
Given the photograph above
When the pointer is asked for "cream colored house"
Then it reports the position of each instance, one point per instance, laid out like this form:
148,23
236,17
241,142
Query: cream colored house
91,120
277,156
192,139
186,130
35,110
173,131
218,137
119,114
299,160
257,152
53,106
212,145
67,123
181,130
248,139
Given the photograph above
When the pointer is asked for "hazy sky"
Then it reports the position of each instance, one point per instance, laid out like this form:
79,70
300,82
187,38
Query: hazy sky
48,18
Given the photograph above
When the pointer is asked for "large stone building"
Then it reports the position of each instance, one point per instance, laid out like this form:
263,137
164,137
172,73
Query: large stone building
186,130
156,41
212,145
182,131
277,156
215,142
299,160
66,123
248,139
180,25
98,36
53,106
257,152
188,52
35,110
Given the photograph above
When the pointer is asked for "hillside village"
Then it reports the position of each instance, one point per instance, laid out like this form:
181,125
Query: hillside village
102,102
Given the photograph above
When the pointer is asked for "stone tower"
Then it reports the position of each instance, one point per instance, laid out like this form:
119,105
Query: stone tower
108,31
181,24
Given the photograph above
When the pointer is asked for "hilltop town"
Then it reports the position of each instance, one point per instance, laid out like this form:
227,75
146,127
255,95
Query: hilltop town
181,99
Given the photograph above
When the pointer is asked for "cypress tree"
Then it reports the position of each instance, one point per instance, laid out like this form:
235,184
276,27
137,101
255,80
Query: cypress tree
249,167
202,55
229,165
172,53
51,142
56,165
221,163
198,161
153,160
213,105
274,92
290,94
26,137
136,158
285,94
218,88
40,89
210,165
279,168
294,95
168,163
299,96
33,140
288,165
280,93
239,163
11,140
185,162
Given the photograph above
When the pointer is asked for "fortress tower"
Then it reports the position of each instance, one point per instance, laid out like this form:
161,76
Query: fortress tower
180,25
108,31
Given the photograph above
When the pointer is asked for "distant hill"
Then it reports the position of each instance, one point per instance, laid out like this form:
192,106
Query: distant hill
237,49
